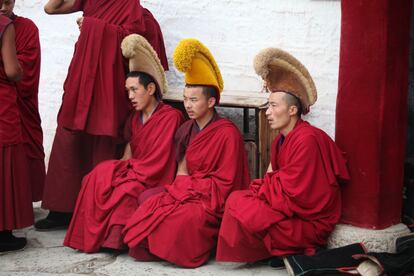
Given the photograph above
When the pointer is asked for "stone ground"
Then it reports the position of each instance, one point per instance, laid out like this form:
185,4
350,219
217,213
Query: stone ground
44,255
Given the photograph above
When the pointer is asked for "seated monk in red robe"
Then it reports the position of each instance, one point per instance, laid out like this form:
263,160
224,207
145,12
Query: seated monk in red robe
110,193
93,110
16,209
28,54
181,224
294,208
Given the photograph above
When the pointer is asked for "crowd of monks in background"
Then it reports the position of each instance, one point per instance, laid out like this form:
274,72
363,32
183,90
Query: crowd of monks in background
128,172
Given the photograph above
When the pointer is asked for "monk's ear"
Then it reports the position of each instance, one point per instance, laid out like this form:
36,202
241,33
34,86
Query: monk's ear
211,102
293,110
151,88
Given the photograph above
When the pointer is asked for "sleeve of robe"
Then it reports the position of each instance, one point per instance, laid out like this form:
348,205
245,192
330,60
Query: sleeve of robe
28,54
227,174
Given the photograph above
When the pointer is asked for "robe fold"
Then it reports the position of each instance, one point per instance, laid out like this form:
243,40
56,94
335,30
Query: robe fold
15,192
110,193
73,155
181,225
28,54
294,208
94,105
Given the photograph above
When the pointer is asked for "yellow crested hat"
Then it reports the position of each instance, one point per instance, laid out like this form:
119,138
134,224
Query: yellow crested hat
283,72
197,63
143,58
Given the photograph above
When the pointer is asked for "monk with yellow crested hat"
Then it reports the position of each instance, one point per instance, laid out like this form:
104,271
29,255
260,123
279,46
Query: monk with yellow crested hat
181,224
294,208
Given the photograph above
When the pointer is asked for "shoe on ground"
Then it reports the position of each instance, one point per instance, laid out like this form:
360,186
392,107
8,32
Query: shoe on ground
54,221
276,263
9,243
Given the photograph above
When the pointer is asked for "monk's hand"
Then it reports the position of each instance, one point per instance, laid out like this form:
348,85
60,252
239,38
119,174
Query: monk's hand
182,168
79,21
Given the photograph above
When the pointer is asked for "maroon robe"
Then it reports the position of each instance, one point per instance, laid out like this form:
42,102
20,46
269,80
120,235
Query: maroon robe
95,106
94,99
294,208
28,54
110,193
181,225
15,192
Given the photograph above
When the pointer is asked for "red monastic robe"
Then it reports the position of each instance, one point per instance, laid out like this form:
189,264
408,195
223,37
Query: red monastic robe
294,208
28,54
15,192
95,106
181,225
110,193
94,98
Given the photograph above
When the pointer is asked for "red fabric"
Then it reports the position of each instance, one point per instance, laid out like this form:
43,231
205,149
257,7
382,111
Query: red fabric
28,54
371,125
16,209
294,208
15,194
73,155
110,193
181,225
10,127
154,36
94,99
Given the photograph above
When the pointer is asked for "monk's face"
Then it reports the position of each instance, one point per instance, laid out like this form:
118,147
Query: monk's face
280,115
197,105
7,7
139,96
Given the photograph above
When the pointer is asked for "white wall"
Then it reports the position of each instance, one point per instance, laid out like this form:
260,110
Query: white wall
234,30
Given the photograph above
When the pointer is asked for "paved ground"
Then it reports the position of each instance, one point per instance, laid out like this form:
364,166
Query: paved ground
45,255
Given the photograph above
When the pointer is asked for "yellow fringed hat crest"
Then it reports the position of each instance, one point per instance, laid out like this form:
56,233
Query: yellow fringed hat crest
197,63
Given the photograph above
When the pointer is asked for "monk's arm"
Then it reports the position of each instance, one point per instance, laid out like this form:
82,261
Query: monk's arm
8,52
127,152
59,6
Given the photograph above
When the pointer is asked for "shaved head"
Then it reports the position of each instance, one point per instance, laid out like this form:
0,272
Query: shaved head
292,100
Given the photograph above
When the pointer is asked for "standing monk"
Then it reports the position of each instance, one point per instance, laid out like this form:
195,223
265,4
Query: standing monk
28,54
16,209
181,224
294,208
110,193
94,106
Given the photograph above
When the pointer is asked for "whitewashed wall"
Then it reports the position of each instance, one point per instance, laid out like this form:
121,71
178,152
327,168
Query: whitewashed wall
234,30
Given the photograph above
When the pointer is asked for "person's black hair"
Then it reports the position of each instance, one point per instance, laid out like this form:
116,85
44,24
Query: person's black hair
208,91
145,79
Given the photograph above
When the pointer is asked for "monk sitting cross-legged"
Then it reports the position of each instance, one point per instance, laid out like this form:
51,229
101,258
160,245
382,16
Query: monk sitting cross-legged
111,192
294,208
181,224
